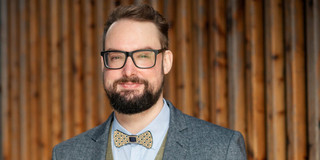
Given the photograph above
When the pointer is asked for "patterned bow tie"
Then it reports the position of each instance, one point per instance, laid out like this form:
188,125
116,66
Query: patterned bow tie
120,139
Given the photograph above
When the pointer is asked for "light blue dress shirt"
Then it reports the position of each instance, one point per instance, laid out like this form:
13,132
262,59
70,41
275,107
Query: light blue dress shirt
158,128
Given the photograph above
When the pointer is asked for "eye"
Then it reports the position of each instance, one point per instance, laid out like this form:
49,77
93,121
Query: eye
144,56
115,56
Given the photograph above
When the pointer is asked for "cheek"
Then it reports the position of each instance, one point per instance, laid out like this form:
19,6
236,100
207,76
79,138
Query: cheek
108,77
156,75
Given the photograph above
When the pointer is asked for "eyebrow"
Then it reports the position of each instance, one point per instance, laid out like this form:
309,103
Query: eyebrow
112,49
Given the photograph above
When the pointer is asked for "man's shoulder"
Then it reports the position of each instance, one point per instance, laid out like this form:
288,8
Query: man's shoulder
76,140
201,127
74,143
82,144
204,139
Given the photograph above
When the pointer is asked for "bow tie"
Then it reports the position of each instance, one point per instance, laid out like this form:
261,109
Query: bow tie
120,139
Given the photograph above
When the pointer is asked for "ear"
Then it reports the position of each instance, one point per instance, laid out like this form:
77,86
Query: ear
102,63
167,61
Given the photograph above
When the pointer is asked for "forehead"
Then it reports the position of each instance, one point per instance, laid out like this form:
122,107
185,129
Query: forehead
130,35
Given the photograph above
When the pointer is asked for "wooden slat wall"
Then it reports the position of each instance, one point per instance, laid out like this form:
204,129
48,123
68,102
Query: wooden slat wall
255,80
295,80
24,95
248,65
218,63
312,26
275,85
236,65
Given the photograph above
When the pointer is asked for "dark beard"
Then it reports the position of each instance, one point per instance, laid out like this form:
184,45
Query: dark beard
126,103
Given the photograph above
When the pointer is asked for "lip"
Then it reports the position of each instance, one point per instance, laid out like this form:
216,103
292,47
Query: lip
130,85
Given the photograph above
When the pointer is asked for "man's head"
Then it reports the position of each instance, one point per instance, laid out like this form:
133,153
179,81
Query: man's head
135,58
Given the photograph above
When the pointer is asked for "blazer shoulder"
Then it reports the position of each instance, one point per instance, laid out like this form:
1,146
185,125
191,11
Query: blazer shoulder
89,135
86,144
206,139
199,126
195,125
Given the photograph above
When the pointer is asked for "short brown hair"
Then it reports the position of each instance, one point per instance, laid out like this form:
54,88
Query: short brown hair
141,12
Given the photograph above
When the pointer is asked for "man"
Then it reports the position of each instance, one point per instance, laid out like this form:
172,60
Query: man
144,125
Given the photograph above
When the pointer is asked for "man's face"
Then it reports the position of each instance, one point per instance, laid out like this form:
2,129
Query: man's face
130,89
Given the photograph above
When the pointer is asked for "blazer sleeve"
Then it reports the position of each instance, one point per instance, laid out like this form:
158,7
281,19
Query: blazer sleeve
54,154
236,149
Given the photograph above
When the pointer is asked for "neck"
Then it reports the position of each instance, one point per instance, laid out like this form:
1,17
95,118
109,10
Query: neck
134,123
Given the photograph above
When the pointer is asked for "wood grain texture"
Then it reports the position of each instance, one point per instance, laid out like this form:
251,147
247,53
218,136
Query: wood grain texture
275,95
184,53
14,76
5,101
218,63
295,80
248,65
200,60
78,73
45,103
56,74
236,65
34,79
255,80
313,76
170,79
24,58
90,61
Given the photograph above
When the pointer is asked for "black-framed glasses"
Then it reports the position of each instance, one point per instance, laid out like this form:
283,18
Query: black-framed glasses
144,58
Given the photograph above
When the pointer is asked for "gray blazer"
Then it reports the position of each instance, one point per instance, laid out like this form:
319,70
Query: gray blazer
188,138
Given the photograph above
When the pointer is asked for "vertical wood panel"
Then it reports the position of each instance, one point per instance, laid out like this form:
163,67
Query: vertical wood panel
313,76
55,60
295,80
34,79
24,78
46,127
184,51
89,63
78,74
170,79
275,100
200,60
236,60
218,63
5,108
101,13
14,76
67,87
255,80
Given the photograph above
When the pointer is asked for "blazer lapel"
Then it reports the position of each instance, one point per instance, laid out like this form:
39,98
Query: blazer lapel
177,145
100,140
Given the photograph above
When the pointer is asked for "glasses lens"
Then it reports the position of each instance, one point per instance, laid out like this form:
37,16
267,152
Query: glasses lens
144,59
115,59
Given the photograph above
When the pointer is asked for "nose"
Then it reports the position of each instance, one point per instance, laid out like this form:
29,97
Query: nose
129,68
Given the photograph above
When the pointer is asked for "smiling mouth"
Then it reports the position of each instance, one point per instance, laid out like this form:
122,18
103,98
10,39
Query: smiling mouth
130,85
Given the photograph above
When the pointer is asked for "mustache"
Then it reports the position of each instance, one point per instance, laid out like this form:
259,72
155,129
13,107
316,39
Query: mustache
130,79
